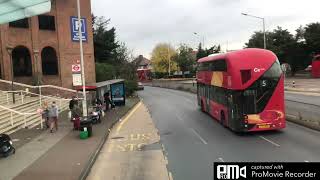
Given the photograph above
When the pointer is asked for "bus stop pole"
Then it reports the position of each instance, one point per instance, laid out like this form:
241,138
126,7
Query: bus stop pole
84,103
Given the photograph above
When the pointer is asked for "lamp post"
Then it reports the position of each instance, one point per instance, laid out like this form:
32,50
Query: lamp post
264,28
10,49
169,59
201,38
84,104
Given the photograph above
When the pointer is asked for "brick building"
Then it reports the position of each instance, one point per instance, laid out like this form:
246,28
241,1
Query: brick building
46,46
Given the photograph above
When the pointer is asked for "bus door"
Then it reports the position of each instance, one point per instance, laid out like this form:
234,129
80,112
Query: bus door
235,110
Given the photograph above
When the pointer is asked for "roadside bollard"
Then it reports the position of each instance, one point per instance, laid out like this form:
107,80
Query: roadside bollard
293,84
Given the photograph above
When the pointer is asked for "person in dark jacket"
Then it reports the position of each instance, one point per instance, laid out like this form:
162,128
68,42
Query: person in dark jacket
72,102
107,100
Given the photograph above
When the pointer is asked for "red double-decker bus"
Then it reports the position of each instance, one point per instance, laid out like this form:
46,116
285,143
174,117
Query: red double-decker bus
315,70
244,89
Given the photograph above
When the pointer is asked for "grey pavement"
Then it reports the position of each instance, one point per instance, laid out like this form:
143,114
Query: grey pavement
32,147
133,151
193,140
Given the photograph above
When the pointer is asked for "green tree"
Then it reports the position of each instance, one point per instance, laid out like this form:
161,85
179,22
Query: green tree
185,58
201,52
288,48
312,37
104,40
206,52
161,56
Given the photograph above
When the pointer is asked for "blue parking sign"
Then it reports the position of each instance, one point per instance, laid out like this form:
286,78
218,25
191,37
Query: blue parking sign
75,29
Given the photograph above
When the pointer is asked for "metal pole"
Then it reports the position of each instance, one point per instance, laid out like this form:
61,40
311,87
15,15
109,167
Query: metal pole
169,59
264,35
203,42
84,104
12,77
264,28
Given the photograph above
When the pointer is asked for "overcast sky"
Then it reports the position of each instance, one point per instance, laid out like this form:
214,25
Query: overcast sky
141,24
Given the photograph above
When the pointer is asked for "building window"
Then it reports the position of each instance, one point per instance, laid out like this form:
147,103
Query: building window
22,23
47,22
49,61
21,61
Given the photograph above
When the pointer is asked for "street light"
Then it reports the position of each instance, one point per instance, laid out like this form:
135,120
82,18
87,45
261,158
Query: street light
84,104
169,59
10,49
264,28
197,34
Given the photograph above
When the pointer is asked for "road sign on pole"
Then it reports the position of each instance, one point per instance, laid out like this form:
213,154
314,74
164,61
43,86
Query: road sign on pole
76,80
76,68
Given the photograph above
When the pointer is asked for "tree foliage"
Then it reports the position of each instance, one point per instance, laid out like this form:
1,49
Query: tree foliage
184,58
160,57
297,50
104,40
206,52
113,58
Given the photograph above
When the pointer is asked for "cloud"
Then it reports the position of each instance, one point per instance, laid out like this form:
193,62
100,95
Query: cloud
143,23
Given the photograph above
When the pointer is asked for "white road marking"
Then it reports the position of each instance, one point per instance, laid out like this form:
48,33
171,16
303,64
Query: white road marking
220,159
179,117
198,135
269,141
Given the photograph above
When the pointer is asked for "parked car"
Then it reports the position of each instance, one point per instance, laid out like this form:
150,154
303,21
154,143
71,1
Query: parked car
309,68
140,86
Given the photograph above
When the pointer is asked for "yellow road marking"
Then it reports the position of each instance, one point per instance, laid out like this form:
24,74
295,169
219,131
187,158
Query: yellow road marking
170,176
127,117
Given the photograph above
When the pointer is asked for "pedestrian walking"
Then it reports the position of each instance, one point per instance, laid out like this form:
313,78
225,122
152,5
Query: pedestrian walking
45,113
107,100
53,116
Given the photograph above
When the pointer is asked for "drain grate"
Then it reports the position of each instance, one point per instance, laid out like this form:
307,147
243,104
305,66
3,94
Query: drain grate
117,137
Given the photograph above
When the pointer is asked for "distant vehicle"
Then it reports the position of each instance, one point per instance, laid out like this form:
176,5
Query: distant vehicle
309,68
243,90
315,71
140,86
144,75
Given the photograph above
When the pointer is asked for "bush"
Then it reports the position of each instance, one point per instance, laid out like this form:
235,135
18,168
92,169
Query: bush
105,71
131,86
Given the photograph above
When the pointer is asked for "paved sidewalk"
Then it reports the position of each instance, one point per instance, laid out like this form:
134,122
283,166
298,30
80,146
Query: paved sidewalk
302,84
133,151
58,156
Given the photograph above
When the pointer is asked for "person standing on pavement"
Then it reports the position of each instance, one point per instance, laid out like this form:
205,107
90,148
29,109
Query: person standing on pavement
45,113
53,116
72,102
107,100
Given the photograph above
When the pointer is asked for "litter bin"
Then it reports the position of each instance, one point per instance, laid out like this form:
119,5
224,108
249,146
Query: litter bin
86,123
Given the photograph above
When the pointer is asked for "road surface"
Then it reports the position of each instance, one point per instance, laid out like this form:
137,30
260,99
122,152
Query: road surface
193,140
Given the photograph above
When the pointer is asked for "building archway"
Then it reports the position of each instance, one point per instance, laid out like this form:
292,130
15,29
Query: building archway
49,61
22,65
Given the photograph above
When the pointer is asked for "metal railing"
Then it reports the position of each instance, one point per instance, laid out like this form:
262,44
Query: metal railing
41,97
22,114
36,87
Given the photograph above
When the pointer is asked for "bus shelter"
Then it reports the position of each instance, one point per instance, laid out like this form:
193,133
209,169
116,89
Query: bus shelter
114,88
